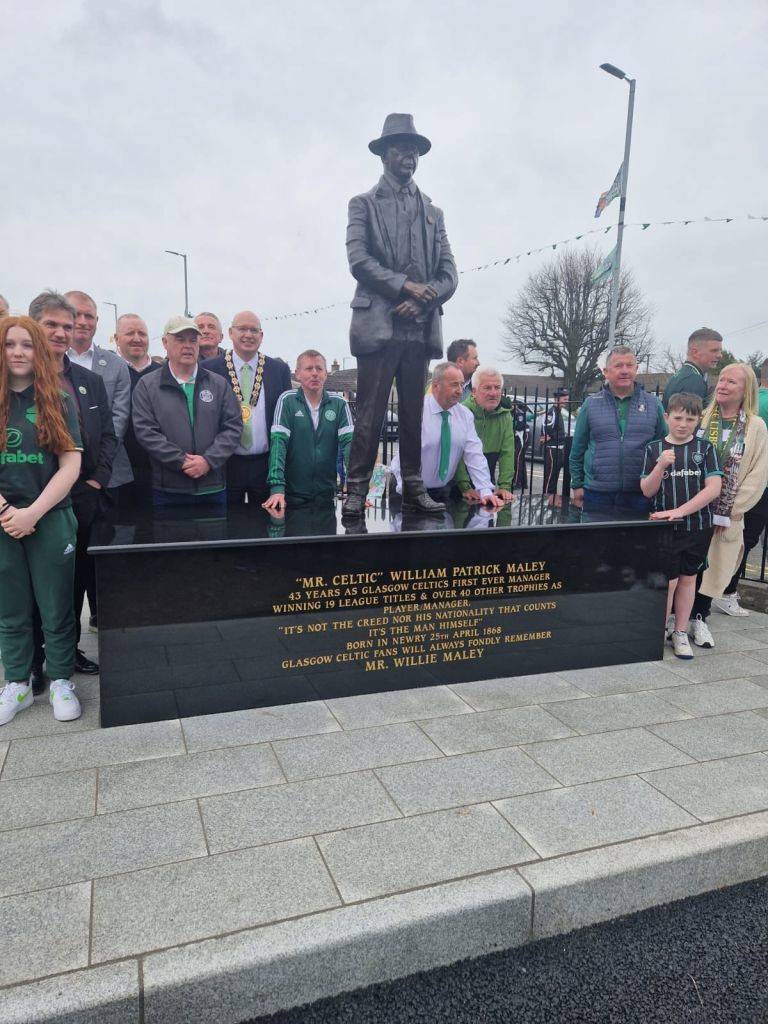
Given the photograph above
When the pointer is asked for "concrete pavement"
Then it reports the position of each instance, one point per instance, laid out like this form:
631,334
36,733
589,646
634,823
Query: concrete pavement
227,866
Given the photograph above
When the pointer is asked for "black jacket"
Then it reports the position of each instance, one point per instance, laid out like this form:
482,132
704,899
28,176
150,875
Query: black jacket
96,427
162,426
277,379
137,456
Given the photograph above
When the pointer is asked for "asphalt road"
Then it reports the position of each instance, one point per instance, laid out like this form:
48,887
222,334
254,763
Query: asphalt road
701,960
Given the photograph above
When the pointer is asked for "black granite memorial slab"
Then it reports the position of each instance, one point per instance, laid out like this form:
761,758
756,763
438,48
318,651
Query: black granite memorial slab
202,614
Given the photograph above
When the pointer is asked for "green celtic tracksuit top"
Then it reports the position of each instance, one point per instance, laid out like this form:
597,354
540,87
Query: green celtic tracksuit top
302,457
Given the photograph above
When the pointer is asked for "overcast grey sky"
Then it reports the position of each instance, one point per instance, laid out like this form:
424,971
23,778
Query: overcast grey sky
237,131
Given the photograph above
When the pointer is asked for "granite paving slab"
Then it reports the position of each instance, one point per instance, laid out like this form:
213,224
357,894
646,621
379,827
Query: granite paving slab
261,725
168,779
313,756
73,851
699,699
99,995
398,706
223,847
44,933
760,634
643,675
38,801
717,736
718,666
732,642
597,885
487,729
38,720
490,694
277,813
463,779
717,789
180,902
756,655
596,814
374,860
719,622
619,711
67,751
606,755
260,971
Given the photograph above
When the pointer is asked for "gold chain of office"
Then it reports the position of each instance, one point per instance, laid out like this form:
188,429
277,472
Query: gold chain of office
246,407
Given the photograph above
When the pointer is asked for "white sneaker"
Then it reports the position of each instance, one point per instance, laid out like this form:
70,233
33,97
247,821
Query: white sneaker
13,699
699,630
66,706
680,644
669,628
729,603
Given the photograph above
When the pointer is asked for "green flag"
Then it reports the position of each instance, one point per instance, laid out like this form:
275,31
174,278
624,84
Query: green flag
606,267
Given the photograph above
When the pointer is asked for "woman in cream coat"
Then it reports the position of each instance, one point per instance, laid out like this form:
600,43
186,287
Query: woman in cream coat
732,425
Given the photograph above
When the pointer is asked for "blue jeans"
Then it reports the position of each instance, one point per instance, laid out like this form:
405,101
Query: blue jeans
165,499
615,505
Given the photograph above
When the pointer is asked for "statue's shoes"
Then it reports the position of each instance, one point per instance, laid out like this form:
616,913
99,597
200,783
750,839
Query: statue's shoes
353,506
422,502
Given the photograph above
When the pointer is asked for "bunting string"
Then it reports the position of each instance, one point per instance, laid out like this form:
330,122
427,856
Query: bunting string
503,261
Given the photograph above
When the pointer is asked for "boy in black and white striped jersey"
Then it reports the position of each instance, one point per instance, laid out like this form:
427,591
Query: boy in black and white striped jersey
682,476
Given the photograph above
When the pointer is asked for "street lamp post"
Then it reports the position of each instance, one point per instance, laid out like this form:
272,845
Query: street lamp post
611,69
114,306
183,255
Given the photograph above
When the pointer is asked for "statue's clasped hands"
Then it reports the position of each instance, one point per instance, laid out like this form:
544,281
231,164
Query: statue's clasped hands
419,295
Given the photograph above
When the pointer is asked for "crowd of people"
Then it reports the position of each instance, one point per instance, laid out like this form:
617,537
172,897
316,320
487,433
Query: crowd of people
85,430
698,460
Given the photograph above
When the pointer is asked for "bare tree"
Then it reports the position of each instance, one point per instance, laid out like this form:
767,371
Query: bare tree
668,359
559,320
756,360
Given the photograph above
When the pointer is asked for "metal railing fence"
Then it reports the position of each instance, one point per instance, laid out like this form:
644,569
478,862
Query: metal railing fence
534,469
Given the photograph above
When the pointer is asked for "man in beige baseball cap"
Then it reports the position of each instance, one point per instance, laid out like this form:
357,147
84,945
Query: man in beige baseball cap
188,420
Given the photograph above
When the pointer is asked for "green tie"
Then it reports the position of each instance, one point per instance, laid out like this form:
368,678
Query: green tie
246,386
445,445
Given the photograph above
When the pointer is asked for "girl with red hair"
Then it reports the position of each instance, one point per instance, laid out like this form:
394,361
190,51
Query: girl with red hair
39,462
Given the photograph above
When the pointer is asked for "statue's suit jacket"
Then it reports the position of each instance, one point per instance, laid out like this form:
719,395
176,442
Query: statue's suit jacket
371,251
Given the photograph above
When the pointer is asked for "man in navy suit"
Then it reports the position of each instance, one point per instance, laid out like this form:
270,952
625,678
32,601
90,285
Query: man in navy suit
257,381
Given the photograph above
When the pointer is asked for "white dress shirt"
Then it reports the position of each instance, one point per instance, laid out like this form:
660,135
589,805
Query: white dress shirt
84,359
260,434
138,369
464,444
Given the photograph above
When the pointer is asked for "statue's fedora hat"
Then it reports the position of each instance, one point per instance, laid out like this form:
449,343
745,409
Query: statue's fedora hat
399,125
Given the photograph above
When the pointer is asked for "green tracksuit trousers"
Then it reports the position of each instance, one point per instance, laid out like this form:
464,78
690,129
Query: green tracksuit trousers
39,568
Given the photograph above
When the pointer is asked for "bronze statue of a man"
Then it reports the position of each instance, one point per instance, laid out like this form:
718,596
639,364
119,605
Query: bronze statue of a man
400,256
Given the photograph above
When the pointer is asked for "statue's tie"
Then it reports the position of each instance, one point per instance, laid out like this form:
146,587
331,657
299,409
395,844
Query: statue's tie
445,445
246,386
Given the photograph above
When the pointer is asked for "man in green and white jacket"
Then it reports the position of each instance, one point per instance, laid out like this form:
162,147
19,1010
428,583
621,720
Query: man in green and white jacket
309,427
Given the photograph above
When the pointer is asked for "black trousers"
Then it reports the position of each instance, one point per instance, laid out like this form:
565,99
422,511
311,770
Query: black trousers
136,494
404,362
521,470
755,522
247,476
85,504
553,463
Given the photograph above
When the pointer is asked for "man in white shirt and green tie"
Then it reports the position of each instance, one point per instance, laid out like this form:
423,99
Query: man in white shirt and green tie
448,434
